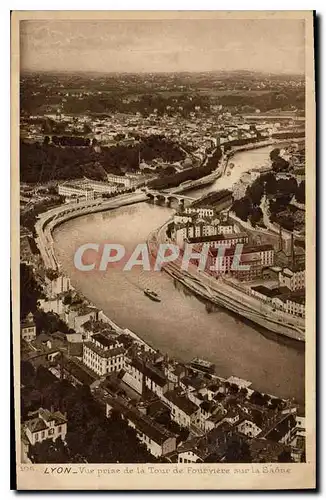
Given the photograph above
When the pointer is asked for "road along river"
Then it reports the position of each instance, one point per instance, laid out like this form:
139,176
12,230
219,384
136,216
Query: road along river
181,324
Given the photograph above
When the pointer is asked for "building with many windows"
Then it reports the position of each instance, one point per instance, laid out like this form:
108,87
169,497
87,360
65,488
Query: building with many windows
57,285
216,241
28,328
128,181
295,303
44,424
282,298
183,218
247,266
76,315
103,354
141,374
183,411
294,278
202,211
201,228
98,187
71,191
119,179
248,428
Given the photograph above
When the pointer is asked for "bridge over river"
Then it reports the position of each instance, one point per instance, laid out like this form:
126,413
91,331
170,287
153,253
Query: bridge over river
167,197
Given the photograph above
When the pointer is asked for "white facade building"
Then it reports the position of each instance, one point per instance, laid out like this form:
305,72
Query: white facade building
293,279
77,315
249,428
72,190
141,374
183,411
202,211
295,306
53,305
28,328
57,285
45,425
103,355
128,180
97,186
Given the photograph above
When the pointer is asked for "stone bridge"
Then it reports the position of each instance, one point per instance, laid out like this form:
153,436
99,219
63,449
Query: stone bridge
167,197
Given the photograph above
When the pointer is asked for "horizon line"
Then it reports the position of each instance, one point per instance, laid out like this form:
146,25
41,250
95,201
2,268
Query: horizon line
185,72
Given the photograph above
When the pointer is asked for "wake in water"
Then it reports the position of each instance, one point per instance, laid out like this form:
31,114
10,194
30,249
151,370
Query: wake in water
146,282
141,281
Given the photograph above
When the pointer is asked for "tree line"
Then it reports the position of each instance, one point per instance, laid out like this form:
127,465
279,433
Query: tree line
44,162
279,192
69,141
189,174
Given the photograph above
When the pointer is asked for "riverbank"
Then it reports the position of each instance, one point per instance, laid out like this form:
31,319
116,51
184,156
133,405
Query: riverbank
227,294
49,220
54,217
274,363
257,145
220,171
216,174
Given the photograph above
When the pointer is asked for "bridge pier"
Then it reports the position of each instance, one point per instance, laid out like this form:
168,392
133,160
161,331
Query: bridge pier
167,200
168,197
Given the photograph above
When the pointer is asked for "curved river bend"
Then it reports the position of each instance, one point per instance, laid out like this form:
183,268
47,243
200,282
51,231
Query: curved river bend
181,324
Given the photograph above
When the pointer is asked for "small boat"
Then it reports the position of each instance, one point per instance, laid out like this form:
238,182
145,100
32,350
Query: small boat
152,295
231,165
203,365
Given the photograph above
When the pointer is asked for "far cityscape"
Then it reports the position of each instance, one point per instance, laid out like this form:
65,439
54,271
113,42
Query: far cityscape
180,366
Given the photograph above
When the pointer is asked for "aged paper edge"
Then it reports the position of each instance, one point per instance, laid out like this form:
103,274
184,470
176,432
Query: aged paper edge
39,477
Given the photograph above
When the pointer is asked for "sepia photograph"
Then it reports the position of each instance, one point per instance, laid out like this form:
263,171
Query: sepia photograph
163,249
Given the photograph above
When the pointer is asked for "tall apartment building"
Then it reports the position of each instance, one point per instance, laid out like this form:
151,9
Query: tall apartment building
216,241
253,257
103,354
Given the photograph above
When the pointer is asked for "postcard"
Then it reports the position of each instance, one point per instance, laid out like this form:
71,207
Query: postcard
163,250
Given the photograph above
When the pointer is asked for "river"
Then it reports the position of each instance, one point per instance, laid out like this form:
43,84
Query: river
181,324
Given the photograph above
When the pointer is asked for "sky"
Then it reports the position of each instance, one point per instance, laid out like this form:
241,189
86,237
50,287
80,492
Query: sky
275,46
